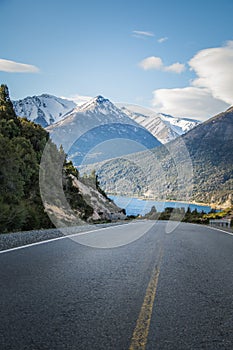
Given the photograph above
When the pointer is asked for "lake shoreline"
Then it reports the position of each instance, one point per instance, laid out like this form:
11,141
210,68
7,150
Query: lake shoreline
152,199
141,206
212,205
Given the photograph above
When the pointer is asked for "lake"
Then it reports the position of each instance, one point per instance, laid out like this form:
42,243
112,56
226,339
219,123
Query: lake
136,206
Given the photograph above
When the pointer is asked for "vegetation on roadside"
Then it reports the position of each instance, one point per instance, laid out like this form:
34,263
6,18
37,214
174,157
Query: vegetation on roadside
213,215
179,214
21,147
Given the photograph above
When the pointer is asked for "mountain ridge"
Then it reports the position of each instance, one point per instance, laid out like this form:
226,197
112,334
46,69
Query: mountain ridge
163,126
48,109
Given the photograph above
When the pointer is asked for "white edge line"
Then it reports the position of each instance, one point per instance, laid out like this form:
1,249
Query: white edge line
86,232
199,225
60,238
218,229
210,227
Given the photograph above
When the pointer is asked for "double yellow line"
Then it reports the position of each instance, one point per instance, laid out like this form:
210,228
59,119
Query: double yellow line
141,331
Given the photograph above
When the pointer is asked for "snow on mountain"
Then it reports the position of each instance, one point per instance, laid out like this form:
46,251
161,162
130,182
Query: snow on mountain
99,130
44,110
164,127
47,110
180,125
100,105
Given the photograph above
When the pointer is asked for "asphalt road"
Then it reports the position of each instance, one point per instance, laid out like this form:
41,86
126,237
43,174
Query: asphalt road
161,291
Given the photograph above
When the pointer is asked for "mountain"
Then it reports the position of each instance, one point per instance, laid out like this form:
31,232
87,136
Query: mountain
164,127
44,110
47,110
210,146
99,130
197,166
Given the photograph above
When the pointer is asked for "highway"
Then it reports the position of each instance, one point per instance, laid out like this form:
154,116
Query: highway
130,287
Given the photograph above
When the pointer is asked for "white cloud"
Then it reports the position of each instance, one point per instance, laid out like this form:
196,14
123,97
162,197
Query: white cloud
142,34
209,93
154,62
175,68
161,40
151,63
78,99
214,69
189,102
16,67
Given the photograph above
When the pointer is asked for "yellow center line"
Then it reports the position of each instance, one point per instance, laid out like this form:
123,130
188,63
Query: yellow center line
141,331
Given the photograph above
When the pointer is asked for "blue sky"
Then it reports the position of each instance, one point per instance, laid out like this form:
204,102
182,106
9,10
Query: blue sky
173,56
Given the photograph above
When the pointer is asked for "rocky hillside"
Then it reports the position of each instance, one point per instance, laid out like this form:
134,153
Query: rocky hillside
103,208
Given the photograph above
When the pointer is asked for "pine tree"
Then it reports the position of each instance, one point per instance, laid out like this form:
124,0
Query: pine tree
6,106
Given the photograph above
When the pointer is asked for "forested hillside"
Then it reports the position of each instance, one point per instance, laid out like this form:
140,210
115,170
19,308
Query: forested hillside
21,146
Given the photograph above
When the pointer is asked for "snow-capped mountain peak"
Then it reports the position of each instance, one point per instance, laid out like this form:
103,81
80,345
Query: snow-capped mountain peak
99,130
94,102
100,99
179,125
44,109
100,105
99,109
164,127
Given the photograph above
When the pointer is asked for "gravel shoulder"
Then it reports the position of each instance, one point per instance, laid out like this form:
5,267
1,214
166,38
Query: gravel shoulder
18,239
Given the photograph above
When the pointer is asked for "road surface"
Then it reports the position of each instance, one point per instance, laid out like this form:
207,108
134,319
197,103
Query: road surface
161,291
